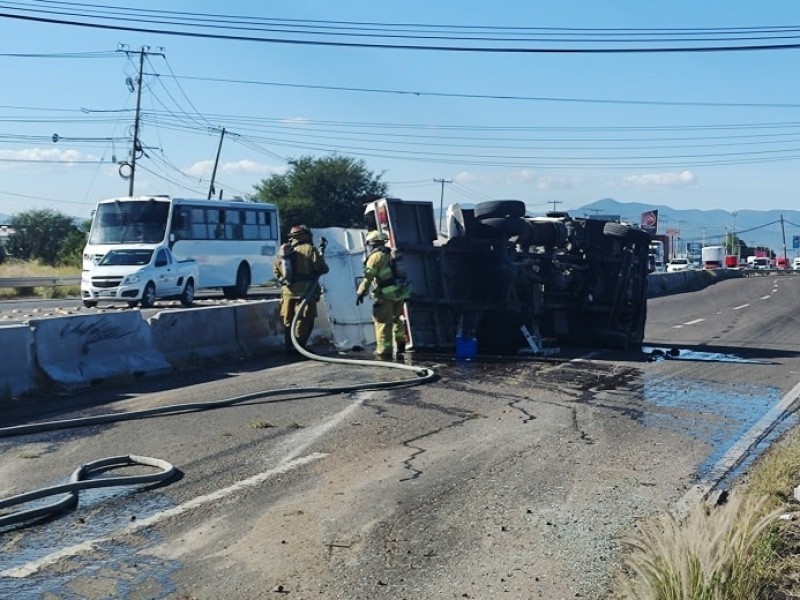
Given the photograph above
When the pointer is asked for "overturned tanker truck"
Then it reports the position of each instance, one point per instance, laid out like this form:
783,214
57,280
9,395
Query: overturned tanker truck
515,282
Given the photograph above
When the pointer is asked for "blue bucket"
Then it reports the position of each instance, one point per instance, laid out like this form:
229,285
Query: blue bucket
466,347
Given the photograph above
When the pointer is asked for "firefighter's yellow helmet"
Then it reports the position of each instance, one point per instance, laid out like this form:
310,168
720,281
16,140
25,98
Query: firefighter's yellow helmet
376,237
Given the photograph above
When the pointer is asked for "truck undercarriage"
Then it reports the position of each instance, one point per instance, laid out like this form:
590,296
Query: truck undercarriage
506,279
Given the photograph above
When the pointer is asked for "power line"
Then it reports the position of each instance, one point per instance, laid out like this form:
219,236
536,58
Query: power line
433,94
111,23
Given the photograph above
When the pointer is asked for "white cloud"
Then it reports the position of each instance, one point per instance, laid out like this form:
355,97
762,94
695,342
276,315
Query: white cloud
557,183
521,176
468,177
295,121
204,168
683,179
63,157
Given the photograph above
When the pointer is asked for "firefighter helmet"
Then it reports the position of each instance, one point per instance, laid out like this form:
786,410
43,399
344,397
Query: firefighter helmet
376,237
299,230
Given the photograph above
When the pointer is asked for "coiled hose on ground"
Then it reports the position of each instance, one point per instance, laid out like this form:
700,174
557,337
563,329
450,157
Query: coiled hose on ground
80,478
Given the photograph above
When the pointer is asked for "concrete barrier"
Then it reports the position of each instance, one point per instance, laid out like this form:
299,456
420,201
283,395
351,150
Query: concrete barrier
663,284
17,369
258,327
188,336
79,350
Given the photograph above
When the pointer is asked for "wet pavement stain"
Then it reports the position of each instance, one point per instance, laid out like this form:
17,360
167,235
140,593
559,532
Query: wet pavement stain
121,569
674,353
727,412
717,413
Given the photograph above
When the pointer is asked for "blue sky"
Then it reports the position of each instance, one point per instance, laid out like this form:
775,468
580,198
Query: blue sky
707,130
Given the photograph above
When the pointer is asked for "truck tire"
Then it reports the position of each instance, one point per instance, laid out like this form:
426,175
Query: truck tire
626,233
187,295
239,290
89,303
149,295
506,227
499,208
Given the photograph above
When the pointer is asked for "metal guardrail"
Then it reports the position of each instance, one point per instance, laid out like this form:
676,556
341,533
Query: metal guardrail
22,282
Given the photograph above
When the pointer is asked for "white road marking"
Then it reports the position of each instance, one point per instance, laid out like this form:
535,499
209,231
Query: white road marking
289,462
694,322
739,307
765,297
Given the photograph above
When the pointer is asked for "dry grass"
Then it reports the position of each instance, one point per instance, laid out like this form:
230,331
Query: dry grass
741,550
725,554
17,268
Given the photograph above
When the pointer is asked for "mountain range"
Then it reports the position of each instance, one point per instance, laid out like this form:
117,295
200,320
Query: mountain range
755,228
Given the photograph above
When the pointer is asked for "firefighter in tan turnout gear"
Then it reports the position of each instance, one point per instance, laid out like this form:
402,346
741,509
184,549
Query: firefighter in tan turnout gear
296,267
389,292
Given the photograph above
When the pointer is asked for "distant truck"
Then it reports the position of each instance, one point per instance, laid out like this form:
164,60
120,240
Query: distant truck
713,257
139,275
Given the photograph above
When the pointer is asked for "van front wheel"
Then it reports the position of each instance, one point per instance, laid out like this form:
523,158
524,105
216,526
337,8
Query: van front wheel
149,295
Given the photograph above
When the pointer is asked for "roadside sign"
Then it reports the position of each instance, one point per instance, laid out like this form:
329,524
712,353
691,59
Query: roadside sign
795,242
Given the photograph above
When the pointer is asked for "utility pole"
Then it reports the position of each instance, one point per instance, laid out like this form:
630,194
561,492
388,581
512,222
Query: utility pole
441,199
137,145
554,204
783,233
216,162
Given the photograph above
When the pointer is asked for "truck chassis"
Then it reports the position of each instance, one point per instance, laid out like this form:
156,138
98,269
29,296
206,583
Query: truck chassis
504,279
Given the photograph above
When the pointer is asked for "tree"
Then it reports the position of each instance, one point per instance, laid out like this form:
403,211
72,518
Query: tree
322,192
39,235
71,251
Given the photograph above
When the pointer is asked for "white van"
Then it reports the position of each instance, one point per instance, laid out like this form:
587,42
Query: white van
796,263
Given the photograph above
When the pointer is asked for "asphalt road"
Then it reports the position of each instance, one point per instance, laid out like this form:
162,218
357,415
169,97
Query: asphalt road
504,478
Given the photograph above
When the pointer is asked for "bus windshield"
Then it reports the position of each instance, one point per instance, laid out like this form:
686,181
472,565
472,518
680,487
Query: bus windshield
139,221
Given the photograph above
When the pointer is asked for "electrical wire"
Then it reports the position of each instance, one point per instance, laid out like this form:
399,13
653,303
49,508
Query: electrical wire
353,35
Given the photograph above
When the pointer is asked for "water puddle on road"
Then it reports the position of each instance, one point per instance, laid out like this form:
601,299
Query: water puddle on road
716,413
122,571
674,353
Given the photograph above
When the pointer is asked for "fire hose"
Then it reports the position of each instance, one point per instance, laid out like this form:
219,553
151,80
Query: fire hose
80,478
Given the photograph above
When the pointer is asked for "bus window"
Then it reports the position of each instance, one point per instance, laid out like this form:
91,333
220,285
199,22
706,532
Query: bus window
250,227
265,230
233,224
216,229
181,224
197,224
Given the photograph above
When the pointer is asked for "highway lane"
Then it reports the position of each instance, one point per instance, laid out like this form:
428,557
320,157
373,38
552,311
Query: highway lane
505,477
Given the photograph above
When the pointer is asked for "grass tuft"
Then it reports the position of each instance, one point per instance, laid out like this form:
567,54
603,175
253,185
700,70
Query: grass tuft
725,554
740,550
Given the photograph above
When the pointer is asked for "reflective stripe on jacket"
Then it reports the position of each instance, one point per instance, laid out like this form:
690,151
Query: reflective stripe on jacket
378,275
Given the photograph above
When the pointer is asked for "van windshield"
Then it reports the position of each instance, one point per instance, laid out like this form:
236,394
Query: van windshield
126,257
